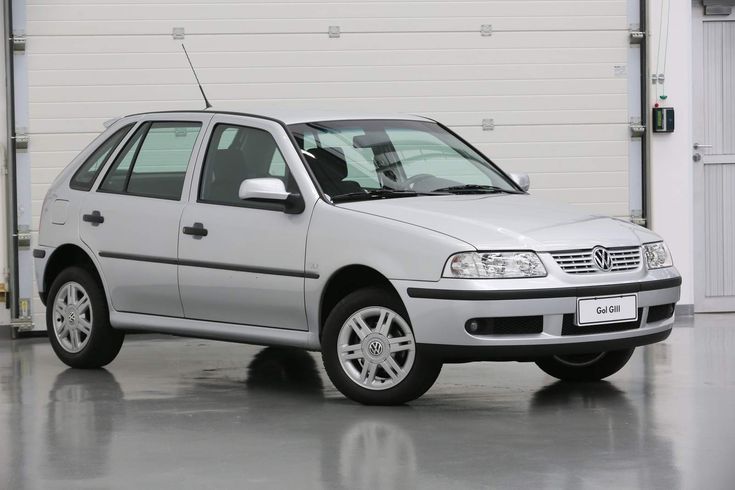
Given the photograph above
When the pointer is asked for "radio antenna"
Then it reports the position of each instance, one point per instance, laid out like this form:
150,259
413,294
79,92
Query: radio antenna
206,102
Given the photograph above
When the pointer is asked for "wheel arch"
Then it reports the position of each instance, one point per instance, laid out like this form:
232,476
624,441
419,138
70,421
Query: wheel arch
65,256
346,280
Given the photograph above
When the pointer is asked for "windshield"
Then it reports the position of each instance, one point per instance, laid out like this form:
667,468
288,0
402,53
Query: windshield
355,160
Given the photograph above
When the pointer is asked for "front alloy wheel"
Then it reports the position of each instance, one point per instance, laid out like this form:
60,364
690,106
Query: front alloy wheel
370,352
376,348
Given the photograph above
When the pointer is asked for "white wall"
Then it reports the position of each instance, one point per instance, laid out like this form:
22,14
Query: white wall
671,198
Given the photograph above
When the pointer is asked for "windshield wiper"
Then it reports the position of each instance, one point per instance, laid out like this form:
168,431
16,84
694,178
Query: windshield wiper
474,189
378,194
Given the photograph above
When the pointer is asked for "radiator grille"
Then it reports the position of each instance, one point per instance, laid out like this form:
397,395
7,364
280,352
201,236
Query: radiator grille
581,261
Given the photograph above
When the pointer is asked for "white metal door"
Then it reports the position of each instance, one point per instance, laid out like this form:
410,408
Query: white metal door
249,267
714,161
546,87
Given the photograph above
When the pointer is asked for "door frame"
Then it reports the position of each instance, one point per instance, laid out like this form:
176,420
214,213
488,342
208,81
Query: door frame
702,304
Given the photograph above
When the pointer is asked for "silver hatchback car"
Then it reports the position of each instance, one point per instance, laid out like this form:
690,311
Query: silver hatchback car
386,242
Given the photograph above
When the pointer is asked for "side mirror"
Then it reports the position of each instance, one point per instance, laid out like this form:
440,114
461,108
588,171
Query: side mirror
271,190
522,179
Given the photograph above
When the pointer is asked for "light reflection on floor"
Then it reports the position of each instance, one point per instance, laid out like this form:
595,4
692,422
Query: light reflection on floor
197,414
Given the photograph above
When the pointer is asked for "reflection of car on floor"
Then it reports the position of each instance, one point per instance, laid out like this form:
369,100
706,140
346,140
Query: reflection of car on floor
386,242
250,430
82,410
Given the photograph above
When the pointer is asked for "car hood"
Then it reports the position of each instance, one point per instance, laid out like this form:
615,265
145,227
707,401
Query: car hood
502,221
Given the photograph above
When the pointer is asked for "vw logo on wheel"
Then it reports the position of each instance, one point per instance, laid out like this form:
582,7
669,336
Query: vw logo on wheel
375,348
602,258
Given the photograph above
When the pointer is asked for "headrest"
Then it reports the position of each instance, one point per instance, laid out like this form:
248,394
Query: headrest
228,163
328,160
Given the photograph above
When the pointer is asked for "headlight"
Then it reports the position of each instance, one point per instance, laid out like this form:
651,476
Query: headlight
494,265
657,255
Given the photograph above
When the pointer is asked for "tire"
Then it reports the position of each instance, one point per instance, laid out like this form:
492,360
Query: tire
382,370
585,367
79,329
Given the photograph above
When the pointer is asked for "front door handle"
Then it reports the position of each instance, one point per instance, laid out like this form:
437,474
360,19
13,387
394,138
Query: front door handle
197,230
95,218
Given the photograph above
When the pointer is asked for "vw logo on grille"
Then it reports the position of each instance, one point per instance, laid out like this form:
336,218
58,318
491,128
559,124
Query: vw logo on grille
602,258
375,348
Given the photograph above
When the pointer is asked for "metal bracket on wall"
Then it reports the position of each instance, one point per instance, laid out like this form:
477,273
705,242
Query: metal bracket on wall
636,36
637,129
488,124
636,217
24,237
657,78
178,33
486,29
334,31
18,41
21,139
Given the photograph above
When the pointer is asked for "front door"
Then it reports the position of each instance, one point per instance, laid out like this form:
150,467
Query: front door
130,220
714,161
248,266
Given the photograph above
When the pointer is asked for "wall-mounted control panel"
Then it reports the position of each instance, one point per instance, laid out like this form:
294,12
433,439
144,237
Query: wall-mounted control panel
663,119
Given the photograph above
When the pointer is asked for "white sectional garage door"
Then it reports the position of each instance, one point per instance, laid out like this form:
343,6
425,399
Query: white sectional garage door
549,74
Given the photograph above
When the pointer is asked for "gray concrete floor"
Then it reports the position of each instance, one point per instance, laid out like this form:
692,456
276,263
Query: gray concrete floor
182,413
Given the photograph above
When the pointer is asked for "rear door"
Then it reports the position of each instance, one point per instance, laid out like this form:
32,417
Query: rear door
249,268
130,220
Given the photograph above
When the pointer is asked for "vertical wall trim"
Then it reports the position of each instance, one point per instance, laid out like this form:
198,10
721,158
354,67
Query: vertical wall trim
11,238
636,65
19,174
643,19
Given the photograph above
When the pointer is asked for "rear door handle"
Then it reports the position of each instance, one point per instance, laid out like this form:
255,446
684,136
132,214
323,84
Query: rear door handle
197,230
95,218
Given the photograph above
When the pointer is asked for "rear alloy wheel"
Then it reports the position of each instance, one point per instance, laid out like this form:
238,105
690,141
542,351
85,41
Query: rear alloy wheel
77,320
585,367
370,353
72,317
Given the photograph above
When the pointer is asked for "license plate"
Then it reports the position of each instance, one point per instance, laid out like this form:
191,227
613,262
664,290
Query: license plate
607,309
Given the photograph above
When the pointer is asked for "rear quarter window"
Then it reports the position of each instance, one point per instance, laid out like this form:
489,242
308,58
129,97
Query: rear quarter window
84,178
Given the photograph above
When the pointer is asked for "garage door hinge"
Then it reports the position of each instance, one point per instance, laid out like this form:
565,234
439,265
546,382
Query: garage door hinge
178,33
636,36
636,217
24,237
334,31
637,129
488,124
21,139
486,29
18,41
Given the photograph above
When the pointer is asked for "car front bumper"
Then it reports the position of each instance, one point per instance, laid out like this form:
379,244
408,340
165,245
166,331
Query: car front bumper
440,310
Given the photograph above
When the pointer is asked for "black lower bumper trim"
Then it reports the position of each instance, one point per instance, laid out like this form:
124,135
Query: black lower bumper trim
570,292
462,353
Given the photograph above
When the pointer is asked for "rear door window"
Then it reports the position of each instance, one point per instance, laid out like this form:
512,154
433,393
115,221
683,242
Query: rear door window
155,160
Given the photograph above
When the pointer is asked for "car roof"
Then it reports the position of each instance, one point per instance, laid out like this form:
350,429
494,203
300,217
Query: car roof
295,116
